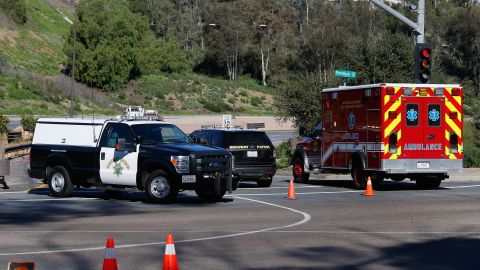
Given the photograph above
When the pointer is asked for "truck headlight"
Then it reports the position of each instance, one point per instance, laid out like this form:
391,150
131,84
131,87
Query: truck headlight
181,163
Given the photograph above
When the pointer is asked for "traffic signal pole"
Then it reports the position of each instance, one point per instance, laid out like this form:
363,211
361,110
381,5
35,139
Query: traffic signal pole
418,27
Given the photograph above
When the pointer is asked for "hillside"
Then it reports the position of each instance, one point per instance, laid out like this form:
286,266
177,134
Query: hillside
31,81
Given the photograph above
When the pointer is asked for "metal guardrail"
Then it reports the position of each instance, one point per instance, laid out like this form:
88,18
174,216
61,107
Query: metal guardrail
17,151
255,125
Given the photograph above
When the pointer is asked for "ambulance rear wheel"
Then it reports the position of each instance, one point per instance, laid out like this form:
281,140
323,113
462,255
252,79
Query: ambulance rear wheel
299,175
358,175
428,183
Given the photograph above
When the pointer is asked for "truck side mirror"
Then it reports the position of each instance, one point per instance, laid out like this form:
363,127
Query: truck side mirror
194,139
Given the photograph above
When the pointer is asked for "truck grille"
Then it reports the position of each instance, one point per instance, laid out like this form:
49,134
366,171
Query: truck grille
211,163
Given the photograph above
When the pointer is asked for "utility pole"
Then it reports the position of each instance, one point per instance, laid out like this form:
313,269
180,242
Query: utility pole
235,77
418,27
73,58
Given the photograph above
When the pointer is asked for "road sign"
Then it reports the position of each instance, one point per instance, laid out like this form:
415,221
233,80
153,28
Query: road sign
227,120
345,73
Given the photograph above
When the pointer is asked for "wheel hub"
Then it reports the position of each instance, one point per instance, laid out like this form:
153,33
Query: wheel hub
58,182
160,187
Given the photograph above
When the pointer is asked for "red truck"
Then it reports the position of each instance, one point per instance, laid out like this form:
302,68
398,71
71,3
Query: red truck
388,130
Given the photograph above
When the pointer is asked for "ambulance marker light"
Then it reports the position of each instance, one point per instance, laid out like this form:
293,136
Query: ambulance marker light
453,143
438,91
392,115
453,115
390,91
456,92
407,91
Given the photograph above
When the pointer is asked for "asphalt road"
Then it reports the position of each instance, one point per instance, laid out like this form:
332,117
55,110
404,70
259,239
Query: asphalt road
328,226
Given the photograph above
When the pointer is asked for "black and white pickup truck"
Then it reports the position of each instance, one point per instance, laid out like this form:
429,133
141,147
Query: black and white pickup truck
153,156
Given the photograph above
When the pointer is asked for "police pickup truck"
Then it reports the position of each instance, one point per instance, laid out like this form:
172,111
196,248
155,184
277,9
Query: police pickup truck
153,156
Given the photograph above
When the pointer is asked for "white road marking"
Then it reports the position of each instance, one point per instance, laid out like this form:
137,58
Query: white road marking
298,193
306,218
56,199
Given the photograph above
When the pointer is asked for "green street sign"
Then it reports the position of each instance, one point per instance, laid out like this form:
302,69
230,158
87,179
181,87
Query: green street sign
345,73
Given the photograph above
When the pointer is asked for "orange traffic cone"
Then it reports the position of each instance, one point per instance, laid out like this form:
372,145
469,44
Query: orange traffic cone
170,258
369,190
291,191
110,262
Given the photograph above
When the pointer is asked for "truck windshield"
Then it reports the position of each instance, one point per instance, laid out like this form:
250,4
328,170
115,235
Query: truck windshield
160,133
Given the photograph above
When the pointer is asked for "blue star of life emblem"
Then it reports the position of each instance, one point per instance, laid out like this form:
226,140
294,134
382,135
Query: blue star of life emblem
412,115
434,115
117,169
351,121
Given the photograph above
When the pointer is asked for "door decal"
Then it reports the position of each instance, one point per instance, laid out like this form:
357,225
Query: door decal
412,115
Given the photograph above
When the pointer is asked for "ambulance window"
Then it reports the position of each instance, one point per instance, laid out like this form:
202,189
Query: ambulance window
412,114
434,114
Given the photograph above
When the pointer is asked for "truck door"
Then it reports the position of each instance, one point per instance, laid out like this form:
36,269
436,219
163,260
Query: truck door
422,128
118,156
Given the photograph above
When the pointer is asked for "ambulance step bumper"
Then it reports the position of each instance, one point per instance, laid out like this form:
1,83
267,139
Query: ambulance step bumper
416,166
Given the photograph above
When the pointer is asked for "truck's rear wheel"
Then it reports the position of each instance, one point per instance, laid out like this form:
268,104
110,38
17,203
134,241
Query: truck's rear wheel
59,182
161,188
358,175
428,183
299,175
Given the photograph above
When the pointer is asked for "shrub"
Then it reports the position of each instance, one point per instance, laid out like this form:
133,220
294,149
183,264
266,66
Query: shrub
15,9
285,154
255,101
3,124
28,122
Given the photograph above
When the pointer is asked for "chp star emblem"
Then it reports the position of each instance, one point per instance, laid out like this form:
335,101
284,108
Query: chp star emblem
117,169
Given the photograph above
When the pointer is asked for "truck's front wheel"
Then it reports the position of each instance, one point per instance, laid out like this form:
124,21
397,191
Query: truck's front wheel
59,182
161,188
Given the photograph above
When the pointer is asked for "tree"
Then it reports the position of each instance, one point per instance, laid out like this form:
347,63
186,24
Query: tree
300,100
3,124
108,38
28,122
463,39
160,55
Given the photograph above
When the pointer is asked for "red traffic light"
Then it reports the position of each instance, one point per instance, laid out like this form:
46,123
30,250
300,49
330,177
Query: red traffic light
426,53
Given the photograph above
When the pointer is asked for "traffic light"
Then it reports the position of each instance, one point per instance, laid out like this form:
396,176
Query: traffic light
423,62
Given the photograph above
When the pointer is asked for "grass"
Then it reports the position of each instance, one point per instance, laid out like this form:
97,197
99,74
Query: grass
37,45
196,93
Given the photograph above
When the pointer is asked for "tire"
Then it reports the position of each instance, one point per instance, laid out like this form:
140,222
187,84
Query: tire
59,182
358,175
298,169
377,180
161,188
209,195
264,183
428,183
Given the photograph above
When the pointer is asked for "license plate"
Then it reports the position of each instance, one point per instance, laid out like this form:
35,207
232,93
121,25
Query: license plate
189,178
252,154
423,165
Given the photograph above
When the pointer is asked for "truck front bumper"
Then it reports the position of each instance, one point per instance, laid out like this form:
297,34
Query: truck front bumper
413,166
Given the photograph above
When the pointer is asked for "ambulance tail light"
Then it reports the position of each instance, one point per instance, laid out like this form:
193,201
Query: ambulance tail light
390,91
453,115
456,92
453,143
392,143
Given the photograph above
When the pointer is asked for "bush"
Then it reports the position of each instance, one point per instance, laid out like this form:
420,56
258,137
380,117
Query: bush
471,145
28,122
3,124
15,9
285,154
256,101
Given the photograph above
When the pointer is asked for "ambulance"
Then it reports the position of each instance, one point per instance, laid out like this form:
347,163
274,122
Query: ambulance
388,130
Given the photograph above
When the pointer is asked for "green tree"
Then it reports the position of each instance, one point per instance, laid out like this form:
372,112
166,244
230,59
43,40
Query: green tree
471,145
28,122
15,9
299,100
108,38
160,55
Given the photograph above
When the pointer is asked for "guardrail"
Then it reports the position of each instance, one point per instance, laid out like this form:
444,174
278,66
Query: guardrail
255,125
17,151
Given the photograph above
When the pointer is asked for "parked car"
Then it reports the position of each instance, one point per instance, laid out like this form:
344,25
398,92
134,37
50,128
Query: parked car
253,152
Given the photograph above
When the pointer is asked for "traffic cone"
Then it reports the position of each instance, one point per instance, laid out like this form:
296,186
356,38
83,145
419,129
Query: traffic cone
170,258
110,262
291,191
369,190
